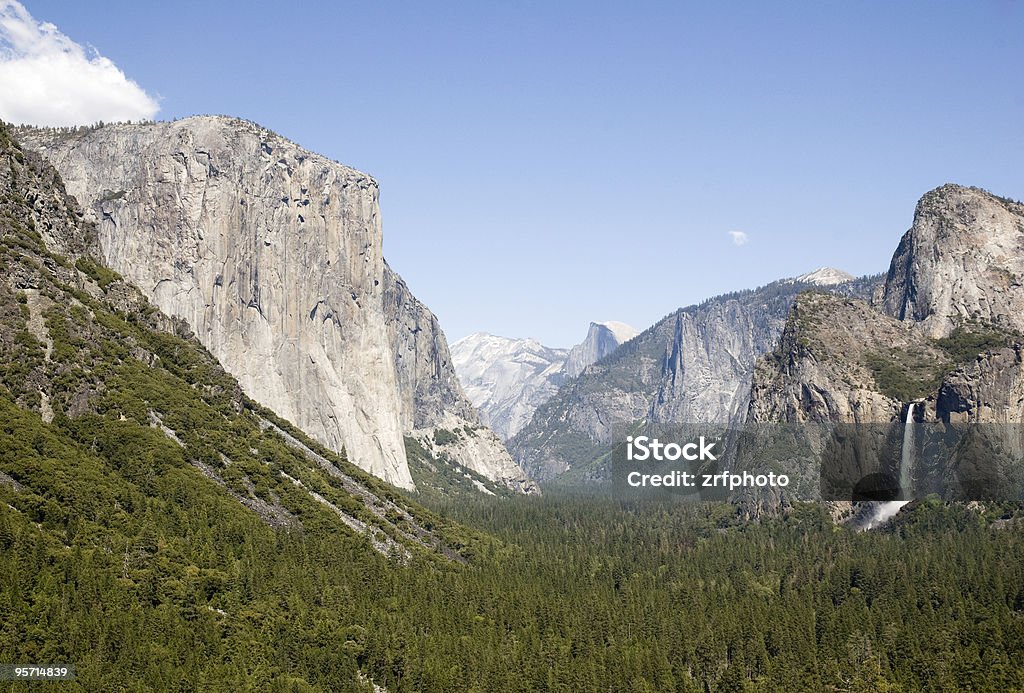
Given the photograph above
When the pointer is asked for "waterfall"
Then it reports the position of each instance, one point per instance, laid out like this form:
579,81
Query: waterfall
888,509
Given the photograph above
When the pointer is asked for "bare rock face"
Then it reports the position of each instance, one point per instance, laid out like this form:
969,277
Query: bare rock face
962,260
506,378
58,219
989,389
429,390
707,369
272,254
602,339
473,447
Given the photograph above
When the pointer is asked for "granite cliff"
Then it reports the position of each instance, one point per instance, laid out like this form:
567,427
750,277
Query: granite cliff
942,335
272,255
963,259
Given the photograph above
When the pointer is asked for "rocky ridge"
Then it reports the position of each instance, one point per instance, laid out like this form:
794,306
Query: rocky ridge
693,366
824,276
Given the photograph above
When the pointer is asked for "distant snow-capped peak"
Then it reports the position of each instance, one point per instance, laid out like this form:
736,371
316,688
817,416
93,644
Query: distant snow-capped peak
824,276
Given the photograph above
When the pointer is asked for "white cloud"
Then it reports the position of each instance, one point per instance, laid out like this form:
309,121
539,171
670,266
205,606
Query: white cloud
738,237
48,79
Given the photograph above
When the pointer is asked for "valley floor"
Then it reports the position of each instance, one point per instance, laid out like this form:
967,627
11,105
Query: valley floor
560,593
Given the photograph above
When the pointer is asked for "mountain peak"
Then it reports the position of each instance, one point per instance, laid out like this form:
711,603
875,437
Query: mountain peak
622,332
825,276
602,339
960,261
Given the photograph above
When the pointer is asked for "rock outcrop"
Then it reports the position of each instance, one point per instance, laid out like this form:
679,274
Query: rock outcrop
272,254
134,398
937,333
962,260
941,340
988,389
602,339
706,372
821,369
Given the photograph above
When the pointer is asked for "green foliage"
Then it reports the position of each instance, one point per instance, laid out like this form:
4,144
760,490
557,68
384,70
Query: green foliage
605,594
97,272
968,341
442,436
908,375
903,375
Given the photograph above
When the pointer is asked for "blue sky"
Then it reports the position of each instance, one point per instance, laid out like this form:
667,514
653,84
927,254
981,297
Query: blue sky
544,164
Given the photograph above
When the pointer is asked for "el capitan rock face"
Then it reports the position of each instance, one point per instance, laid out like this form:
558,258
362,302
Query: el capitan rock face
272,254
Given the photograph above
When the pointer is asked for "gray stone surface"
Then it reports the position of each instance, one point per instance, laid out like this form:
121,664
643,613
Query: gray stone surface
602,339
507,379
963,259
